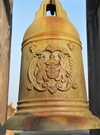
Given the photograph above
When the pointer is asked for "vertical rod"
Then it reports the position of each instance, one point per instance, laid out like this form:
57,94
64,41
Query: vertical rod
52,2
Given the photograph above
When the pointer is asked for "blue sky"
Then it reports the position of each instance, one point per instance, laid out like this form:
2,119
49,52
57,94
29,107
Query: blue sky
23,15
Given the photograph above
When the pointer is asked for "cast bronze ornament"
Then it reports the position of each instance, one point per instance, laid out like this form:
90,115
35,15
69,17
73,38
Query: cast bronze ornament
52,69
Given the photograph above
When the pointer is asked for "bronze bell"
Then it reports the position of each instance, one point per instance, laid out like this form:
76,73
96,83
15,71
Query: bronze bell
52,94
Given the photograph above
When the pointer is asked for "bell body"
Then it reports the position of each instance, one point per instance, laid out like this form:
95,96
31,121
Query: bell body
52,94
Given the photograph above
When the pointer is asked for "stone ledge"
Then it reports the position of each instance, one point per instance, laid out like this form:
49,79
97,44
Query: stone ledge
81,132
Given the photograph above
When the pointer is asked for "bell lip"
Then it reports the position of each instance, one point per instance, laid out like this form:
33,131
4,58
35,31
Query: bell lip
28,122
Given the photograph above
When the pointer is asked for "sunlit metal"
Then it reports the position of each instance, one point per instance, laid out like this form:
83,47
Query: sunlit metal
52,95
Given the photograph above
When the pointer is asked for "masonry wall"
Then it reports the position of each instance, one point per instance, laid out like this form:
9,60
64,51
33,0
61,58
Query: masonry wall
5,38
93,38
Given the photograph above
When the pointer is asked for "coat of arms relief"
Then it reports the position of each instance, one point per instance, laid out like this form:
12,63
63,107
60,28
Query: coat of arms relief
52,69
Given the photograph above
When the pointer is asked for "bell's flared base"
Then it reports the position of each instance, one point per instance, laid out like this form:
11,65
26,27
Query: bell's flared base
55,122
52,115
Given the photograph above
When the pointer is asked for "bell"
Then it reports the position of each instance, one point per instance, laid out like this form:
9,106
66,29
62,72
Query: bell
52,94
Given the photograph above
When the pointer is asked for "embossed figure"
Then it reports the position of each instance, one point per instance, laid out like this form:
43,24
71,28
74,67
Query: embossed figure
52,67
52,70
64,69
41,75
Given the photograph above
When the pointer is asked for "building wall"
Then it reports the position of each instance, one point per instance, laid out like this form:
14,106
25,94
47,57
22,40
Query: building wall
93,38
5,38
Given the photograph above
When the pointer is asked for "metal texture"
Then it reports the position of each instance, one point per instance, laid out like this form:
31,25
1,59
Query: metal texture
52,95
52,2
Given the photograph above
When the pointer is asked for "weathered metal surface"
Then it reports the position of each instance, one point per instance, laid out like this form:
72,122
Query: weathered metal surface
52,1
52,95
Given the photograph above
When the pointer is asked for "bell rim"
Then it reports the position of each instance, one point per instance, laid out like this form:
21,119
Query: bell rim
30,122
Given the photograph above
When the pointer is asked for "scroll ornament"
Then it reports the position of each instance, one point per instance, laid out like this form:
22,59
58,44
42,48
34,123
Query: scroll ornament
52,69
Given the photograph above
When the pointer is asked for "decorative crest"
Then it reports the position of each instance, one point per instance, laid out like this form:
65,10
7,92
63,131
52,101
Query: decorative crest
52,69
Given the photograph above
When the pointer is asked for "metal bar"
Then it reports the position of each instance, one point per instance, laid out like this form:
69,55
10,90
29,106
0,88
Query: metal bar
52,2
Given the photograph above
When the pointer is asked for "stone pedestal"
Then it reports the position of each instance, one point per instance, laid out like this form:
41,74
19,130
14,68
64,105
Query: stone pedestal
55,133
